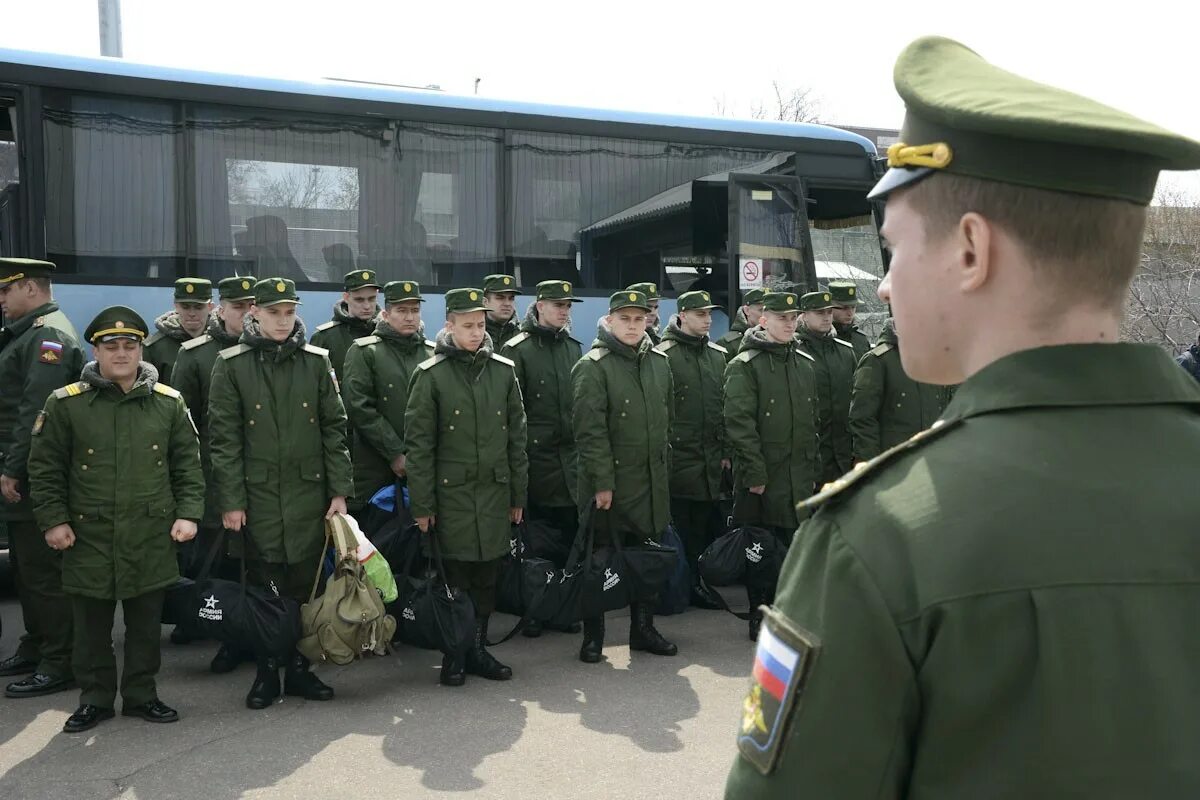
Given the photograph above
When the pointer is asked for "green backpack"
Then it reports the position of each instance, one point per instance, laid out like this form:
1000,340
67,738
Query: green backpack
348,620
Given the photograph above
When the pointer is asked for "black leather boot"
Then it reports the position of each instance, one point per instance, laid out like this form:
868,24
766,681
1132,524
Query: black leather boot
265,689
227,659
479,661
642,633
298,681
593,641
454,670
533,629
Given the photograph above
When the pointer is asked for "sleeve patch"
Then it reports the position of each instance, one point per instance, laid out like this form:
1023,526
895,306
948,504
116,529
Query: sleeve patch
39,422
50,353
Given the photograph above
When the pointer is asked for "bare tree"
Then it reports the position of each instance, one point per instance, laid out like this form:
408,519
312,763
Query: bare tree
796,104
1164,298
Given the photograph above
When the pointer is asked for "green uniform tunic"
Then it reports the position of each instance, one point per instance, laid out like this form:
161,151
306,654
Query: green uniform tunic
834,365
857,339
339,333
731,340
162,346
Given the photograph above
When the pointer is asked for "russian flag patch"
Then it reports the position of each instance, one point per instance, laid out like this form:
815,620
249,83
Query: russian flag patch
50,353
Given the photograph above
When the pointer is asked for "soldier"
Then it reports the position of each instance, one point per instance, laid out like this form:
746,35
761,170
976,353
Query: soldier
543,354
698,430
834,365
115,477
1014,591
653,298
353,318
468,472
771,423
746,318
500,300
622,419
277,433
193,378
889,407
378,370
39,352
845,307
193,304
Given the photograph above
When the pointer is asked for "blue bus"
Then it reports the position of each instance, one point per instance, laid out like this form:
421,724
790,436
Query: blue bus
128,176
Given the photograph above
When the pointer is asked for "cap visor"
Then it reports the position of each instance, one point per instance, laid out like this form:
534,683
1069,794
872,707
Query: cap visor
896,178
466,310
277,302
112,337
630,305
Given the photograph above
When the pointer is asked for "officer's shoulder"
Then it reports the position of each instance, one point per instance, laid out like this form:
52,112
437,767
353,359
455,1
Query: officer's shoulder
516,340
880,349
429,363
154,338
843,342
503,360
365,341
167,391
72,390
312,349
596,353
326,326
747,355
199,341
722,350
236,350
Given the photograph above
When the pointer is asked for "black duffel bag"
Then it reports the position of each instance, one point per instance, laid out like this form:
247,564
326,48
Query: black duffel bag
523,578
429,612
747,555
615,575
399,542
542,540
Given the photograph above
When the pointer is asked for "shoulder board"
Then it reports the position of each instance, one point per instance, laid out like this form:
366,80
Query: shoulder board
596,353
516,340
746,355
363,341
843,341
162,388
39,322
192,344
333,323
718,348
800,352
430,362
154,337
880,349
658,352
663,347
72,389
316,351
503,360
236,350
431,345
865,468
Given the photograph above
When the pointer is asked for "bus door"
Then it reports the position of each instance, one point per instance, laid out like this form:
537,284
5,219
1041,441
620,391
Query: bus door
769,240
11,227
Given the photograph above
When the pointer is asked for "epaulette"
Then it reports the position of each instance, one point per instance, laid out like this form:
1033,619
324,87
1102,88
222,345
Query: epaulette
154,337
516,340
663,347
431,344
657,352
800,352
191,344
162,388
236,350
880,349
430,362
596,353
747,354
862,469
363,341
72,390
843,341
718,348
503,360
316,351
333,323
39,322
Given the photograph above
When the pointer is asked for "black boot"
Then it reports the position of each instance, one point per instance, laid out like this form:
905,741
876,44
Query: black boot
479,661
593,641
227,659
453,670
702,597
265,690
298,681
642,633
533,629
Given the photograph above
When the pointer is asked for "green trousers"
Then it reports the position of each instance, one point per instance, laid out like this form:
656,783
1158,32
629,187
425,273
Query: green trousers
94,660
292,580
46,610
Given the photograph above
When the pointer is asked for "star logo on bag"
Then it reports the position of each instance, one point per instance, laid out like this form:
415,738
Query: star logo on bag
757,548
211,601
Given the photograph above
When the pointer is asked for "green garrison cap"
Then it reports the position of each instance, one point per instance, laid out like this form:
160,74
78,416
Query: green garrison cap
630,298
193,290
239,287
500,283
272,291
816,301
357,279
557,290
964,116
690,301
780,302
845,293
754,296
461,301
648,289
399,291
15,269
116,322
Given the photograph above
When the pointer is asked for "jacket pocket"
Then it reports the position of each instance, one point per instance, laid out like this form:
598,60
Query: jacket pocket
161,509
312,469
501,474
451,474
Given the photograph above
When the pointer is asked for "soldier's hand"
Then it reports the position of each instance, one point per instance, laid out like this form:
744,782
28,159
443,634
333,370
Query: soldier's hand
184,530
8,488
336,506
515,515
399,466
60,537
234,520
758,489
424,523
604,500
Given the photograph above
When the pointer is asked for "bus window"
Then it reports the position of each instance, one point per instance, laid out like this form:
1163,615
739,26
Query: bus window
10,180
845,244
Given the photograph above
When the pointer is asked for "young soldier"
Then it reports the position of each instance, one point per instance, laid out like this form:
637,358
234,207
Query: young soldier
378,371
697,430
889,407
622,420
115,477
845,307
353,318
771,424
500,300
653,298
1013,591
38,353
467,469
193,304
277,432
834,365
747,317
543,354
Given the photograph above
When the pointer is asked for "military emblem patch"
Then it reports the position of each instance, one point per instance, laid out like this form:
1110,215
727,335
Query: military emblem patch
50,353
333,377
38,423
781,666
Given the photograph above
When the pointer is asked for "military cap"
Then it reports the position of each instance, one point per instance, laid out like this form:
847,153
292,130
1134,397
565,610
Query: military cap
630,298
272,291
691,301
845,293
15,269
754,296
116,322
817,301
964,116
399,291
357,279
193,290
780,302
462,301
500,283
557,290
648,289
239,287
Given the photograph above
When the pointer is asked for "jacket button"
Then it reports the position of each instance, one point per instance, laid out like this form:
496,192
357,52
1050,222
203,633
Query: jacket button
503,427
258,406
154,447
81,516
312,419
535,441
457,412
616,462
537,396
622,413
772,401
390,386
451,427
445,480
497,413
385,398
542,382
160,463
318,474
251,422
84,466
768,413
304,405
91,452
626,401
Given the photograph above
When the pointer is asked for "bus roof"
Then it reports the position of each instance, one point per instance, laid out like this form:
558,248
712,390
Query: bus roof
119,67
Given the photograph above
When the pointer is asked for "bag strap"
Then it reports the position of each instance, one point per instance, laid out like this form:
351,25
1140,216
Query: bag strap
321,562
533,604
742,615
211,556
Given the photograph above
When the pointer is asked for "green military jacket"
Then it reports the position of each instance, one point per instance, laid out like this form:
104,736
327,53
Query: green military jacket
339,333
622,418
834,369
277,430
771,425
192,376
857,339
501,332
1013,591
119,468
465,429
731,340
162,346
39,352
698,425
543,359
888,407
375,390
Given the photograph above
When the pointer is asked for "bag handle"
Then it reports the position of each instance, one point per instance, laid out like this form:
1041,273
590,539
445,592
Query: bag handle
533,604
742,615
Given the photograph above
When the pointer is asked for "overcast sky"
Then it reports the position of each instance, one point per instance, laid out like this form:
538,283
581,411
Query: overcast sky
651,54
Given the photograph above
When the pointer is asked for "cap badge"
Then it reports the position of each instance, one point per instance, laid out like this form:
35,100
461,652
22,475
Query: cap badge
366,276
705,296
245,285
826,298
507,280
474,295
790,300
281,287
118,324
408,287
633,296
567,287
189,288
850,291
